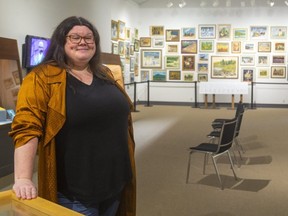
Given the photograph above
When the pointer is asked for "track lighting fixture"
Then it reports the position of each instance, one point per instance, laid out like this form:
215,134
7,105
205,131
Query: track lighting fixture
169,4
182,4
286,3
271,3
215,3
203,4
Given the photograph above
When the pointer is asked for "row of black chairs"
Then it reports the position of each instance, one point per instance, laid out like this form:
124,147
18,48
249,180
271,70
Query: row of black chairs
222,139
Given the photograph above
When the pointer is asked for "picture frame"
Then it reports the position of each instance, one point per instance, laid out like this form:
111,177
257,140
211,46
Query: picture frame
115,48
172,61
249,47
158,42
279,46
202,77
121,30
206,46
136,33
235,46
136,45
203,58
222,47
145,41
203,67
174,75
159,75
247,60
156,31
240,33
188,76
263,60
247,74
144,75
263,72
224,67
132,64
172,48
172,35
264,46
121,48
128,33
278,32
259,32
224,32
114,30
189,46
278,72
188,33
151,58
207,31
188,62
278,59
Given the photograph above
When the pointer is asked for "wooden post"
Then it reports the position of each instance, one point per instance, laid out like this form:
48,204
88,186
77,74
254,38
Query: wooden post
213,105
206,101
232,102
241,98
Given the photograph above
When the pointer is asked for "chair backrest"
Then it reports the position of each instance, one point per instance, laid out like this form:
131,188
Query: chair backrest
239,122
240,109
227,135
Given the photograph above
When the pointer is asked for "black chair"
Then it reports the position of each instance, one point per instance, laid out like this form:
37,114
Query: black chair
215,150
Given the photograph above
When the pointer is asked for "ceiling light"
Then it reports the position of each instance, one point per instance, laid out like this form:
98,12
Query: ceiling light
202,4
228,3
286,2
215,3
271,3
243,3
182,4
169,4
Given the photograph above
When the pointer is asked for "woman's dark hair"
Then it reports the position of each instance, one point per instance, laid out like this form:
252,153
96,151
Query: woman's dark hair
56,54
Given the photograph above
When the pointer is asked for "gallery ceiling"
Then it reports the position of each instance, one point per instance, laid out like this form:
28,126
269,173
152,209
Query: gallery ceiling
210,3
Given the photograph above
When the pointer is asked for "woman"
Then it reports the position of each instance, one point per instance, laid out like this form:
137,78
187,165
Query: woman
77,117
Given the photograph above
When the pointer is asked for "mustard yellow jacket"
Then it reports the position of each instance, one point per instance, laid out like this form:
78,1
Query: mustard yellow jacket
41,113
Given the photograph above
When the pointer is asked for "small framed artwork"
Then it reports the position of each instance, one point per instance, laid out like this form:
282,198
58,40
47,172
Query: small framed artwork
247,74
279,46
121,48
206,45
224,67
202,77
172,48
240,33
151,58
132,49
224,32
172,62
128,34
222,47
159,75
115,49
16,77
136,33
158,42
236,47
263,60
207,31
132,77
278,32
264,46
203,67
157,31
259,32
127,49
249,47
188,62
136,45
188,76
174,75
132,63
144,75
121,30
145,41
263,72
278,72
172,35
188,33
278,59
203,57
189,46
247,60
114,30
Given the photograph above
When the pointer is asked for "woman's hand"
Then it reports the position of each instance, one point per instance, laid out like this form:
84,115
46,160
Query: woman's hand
25,189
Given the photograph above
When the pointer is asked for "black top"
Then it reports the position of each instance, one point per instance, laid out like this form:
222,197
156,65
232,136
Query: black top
92,147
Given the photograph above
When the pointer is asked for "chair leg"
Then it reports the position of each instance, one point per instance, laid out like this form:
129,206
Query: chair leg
239,145
217,172
188,169
205,162
231,162
235,158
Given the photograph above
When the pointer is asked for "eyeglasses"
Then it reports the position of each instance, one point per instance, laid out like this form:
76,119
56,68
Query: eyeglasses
76,39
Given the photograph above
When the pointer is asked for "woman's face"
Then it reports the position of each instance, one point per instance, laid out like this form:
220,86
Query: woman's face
80,45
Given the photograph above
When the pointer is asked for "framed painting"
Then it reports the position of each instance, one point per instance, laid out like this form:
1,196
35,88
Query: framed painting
222,47
240,33
174,75
247,60
278,32
159,75
279,46
207,31
247,74
132,49
236,47
172,35
172,62
114,30
249,47
278,72
279,59
188,62
202,77
145,41
157,42
189,46
132,64
263,60
136,45
121,48
121,30
128,34
144,75
151,58
224,67
172,48
203,67
188,33
224,32
206,45
188,76
157,31
264,46
259,32
136,33
203,57
262,72
115,49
